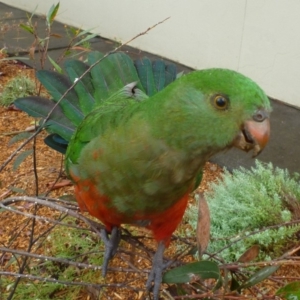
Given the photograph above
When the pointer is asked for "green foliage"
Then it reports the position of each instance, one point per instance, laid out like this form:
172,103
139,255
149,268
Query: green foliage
21,86
34,290
79,41
71,242
259,276
188,272
187,277
290,292
20,158
52,14
247,201
67,243
19,137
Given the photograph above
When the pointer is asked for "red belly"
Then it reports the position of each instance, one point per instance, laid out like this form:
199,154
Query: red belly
162,224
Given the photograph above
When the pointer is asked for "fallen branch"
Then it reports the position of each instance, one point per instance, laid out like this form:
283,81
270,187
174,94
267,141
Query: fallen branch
28,129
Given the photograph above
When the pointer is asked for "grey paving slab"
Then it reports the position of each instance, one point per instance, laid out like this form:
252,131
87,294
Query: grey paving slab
104,46
283,149
8,13
18,41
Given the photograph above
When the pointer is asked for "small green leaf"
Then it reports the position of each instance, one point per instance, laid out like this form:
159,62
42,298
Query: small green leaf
290,292
19,137
87,38
55,65
17,190
192,271
27,28
83,32
68,197
52,14
259,276
20,158
12,260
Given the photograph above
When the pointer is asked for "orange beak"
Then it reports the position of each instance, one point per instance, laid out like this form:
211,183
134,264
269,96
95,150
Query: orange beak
254,135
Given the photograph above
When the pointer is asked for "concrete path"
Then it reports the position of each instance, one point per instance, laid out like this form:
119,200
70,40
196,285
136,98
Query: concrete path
283,149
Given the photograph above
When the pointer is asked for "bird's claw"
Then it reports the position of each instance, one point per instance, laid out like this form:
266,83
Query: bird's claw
155,276
111,246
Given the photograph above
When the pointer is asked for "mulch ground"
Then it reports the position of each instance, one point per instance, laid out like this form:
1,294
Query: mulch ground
51,181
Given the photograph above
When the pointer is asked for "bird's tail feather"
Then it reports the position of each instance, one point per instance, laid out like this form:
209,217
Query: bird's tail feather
115,76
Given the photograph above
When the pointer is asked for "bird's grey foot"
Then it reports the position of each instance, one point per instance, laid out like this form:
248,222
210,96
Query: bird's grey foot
155,276
111,246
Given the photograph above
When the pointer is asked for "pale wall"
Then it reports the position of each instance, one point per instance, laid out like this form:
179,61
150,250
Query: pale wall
260,38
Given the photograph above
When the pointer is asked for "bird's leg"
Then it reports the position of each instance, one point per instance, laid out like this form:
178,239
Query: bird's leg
111,246
155,276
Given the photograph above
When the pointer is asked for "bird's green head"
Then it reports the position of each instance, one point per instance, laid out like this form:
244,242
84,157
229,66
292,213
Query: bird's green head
226,108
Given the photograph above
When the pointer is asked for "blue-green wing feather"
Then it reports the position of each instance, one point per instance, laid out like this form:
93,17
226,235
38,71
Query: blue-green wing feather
84,88
57,84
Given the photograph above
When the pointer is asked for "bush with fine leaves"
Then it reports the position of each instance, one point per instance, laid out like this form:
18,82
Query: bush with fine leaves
248,200
18,87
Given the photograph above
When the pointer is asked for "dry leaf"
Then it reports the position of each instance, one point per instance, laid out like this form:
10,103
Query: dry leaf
32,52
203,226
59,185
249,254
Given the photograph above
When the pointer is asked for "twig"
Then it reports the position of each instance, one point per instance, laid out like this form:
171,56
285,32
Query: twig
47,279
52,205
15,236
25,259
50,258
71,211
137,270
235,266
30,129
34,160
291,252
58,177
10,158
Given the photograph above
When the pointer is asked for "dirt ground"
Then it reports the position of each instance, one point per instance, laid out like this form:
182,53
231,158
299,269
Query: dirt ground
52,181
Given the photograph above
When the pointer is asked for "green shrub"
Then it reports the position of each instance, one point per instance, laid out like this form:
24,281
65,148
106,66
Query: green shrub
249,200
19,87
66,243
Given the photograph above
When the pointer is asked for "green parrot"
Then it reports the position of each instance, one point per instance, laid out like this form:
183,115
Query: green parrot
134,159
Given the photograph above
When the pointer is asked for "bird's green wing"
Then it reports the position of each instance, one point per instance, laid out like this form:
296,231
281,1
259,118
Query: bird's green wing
109,80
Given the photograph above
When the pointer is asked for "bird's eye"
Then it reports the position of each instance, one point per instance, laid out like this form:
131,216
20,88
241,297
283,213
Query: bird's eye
221,102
